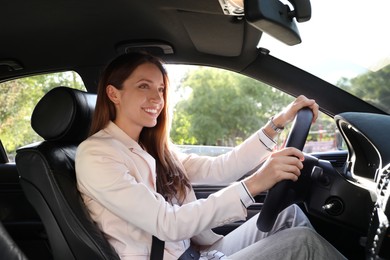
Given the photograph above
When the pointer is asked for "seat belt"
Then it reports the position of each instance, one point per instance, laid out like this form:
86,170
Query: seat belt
157,249
157,252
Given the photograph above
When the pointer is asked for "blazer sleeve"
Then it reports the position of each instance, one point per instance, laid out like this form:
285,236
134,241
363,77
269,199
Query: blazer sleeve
228,167
104,175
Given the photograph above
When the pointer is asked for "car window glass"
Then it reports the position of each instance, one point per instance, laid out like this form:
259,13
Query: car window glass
18,98
215,110
343,63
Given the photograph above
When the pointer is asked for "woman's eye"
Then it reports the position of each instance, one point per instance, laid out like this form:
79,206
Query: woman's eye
161,90
143,86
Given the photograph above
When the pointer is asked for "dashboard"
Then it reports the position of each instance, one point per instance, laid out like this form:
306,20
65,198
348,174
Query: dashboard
368,166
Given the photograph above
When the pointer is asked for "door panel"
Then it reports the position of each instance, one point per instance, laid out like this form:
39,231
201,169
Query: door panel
18,216
203,191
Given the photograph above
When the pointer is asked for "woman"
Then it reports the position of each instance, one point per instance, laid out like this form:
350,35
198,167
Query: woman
136,186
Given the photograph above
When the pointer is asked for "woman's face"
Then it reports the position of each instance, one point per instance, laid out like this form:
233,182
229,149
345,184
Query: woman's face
140,101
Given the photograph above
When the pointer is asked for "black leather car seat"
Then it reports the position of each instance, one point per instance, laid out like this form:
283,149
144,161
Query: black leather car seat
8,248
47,175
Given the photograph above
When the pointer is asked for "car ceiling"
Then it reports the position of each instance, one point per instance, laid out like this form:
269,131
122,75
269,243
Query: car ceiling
43,35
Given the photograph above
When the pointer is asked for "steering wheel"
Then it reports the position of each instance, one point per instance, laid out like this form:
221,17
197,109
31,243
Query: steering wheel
282,194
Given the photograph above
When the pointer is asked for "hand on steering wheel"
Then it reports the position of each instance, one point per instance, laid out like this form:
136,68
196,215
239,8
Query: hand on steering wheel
278,198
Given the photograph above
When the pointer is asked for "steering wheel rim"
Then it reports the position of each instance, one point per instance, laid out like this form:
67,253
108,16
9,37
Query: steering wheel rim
279,196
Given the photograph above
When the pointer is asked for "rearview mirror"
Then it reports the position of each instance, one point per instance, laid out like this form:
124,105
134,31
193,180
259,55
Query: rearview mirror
277,19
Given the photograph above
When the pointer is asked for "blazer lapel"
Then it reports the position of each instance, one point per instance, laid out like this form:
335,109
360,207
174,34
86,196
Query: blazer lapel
149,160
135,149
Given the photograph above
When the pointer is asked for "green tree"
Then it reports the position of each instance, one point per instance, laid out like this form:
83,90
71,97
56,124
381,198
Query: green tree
373,87
223,108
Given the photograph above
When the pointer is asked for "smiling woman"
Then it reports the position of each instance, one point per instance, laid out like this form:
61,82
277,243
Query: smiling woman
128,155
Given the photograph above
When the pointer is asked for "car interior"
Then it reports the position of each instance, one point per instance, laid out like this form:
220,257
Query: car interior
343,192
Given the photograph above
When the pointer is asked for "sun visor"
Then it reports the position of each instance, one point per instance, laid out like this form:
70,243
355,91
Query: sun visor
207,35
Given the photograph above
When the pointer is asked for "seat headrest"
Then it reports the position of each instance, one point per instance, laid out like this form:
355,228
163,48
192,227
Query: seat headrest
64,114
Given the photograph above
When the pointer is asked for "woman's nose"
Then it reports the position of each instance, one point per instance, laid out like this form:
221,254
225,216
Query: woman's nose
157,96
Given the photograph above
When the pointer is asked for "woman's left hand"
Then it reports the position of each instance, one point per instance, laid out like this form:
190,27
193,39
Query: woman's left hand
288,113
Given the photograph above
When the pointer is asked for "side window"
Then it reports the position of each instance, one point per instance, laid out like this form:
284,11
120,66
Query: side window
215,110
18,98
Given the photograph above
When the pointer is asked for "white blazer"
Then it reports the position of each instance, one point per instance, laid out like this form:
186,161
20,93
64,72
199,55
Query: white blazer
117,181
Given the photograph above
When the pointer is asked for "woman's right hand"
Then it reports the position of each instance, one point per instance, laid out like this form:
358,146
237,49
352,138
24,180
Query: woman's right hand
285,164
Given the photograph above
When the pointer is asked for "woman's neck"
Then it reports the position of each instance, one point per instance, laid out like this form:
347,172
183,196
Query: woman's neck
132,132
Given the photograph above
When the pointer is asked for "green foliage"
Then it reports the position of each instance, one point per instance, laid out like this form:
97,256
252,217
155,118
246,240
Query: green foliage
17,100
373,87
223,108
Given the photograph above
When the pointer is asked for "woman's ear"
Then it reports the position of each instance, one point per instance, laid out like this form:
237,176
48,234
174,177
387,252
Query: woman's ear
113,94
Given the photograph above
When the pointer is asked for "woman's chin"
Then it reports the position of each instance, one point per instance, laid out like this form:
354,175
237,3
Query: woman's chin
151,124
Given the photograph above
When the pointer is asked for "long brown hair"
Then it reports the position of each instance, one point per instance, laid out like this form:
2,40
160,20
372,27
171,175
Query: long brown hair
171,180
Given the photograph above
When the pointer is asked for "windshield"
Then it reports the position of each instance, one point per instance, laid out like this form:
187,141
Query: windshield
347,44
